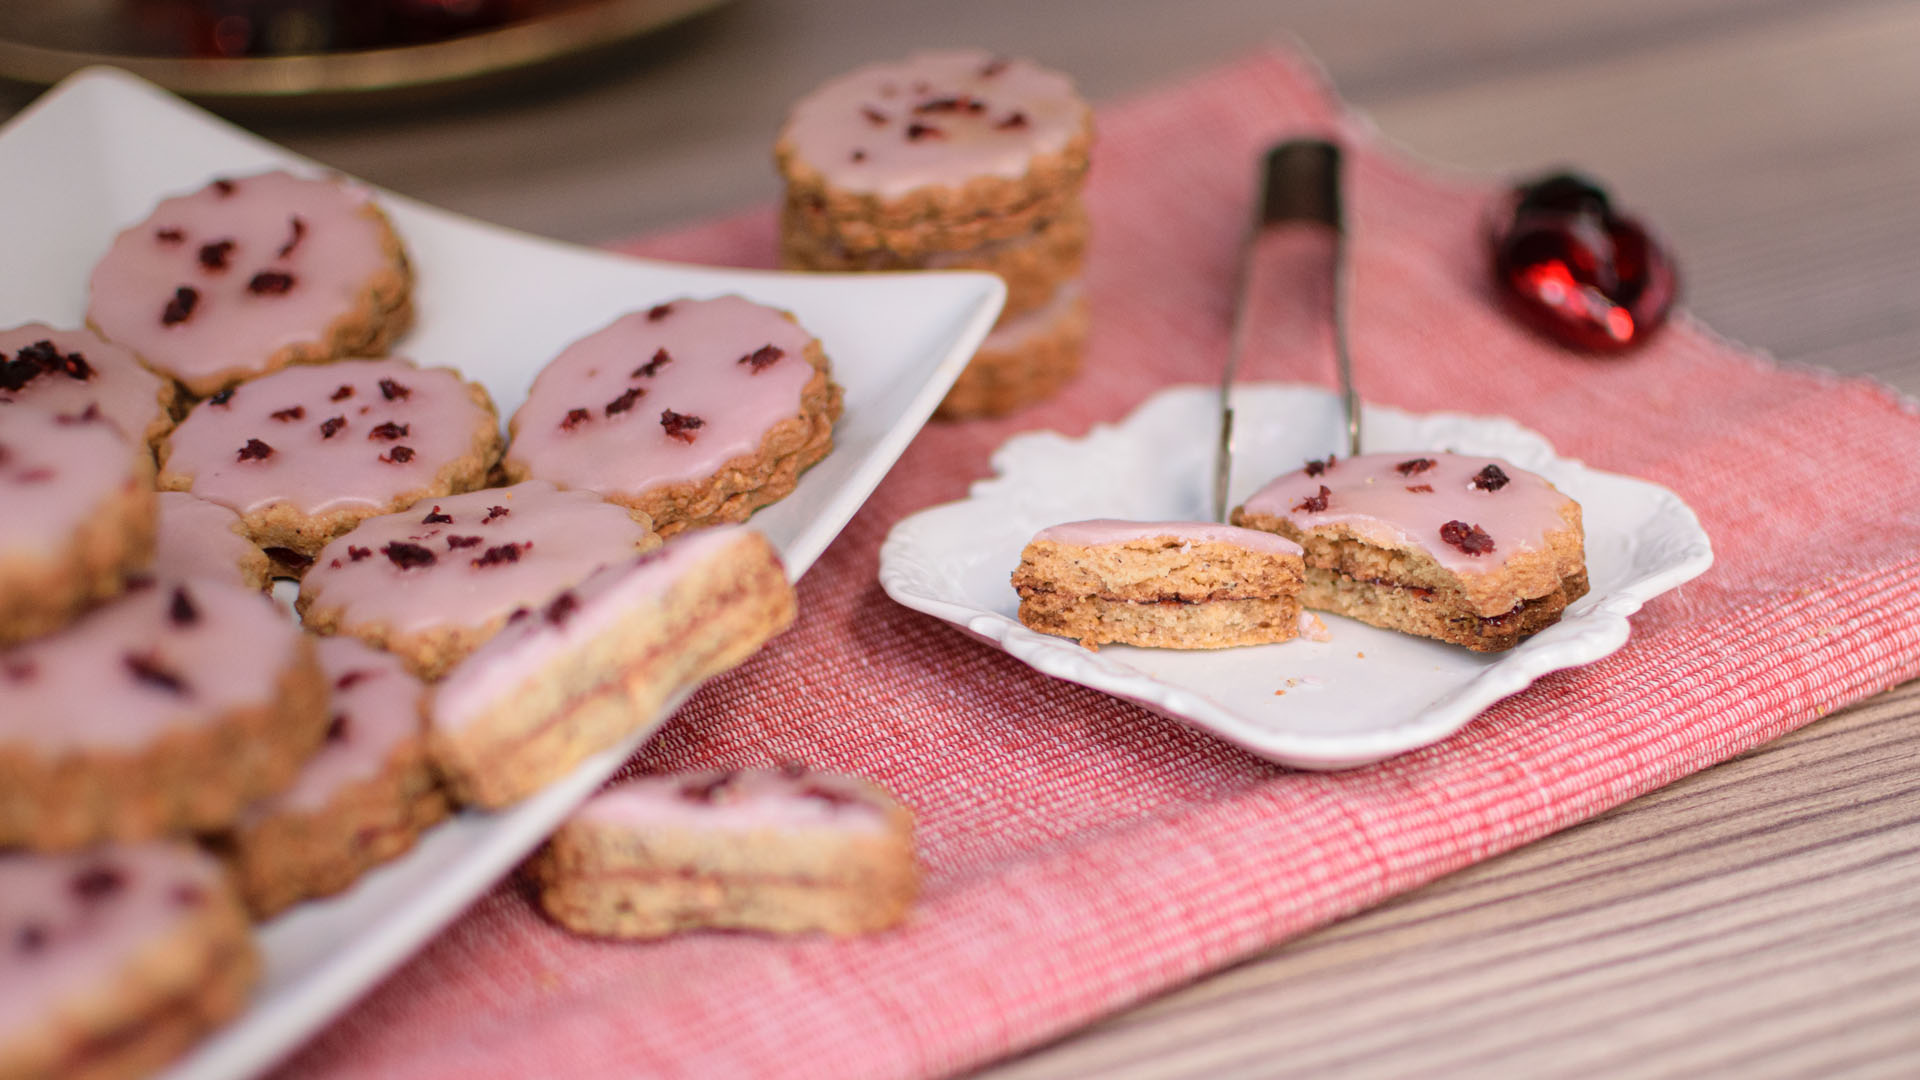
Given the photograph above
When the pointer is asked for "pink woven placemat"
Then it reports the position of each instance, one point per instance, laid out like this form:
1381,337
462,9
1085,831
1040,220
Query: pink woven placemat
1081,853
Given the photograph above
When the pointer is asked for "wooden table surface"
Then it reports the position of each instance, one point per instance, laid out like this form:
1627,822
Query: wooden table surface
1758,919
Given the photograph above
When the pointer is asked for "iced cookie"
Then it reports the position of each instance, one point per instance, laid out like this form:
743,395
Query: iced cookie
1466,549
692,411
434,581
363,799
307,453
250,274
1024,360
169,709
596,663
783,851
204,539
76,516
116,960
71,371
943,151
1166,584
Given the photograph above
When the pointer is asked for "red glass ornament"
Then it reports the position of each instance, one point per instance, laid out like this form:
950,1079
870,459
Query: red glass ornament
1575,270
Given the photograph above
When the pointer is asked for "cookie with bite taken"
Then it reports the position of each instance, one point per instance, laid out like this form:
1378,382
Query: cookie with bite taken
305,454
782,851
692,412
1462,548
250,274
117,959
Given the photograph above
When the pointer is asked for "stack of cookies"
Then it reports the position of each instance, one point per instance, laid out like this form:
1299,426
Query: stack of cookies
955,160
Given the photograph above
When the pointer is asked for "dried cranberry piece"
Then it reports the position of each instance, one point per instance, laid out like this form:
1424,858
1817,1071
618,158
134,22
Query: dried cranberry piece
652,367
394,391
255,450
18,670
1317,467
435,517
298,229
1490,479
289,558
214,256
455,543
574,418
679,426
181,611
34,476
762,357
289,415
500,555
993,67
187,894
97,882
1420,489
389,431
30,938
874,116
659,311
399,455
952,103
708,790
331,426
625,401
337,728
88,415
857,156
408,556
1014,121
562,608
355,553
495,512
352,679
1471,539
917,131
180,308
270,283
1313,504
169,235
342,394
221,397
224,186
146,668
1415,466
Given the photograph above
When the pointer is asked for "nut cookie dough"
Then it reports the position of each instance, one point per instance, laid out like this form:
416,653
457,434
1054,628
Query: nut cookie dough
170,709
69,372
305,454
78,516
250,274
786,851
116,960
433,582
363,799
1465,549
692,412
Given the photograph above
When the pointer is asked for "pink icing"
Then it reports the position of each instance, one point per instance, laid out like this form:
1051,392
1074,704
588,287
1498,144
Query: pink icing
1111,531
628,450
113,381
291,412
234,324
934,118
199,539
557,538
131,670
71,923
1014,333
54,474
1371,495
376,707
737,801
528,645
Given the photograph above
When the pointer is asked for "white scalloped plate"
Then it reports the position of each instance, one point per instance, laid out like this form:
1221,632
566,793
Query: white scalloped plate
1364,696
97,152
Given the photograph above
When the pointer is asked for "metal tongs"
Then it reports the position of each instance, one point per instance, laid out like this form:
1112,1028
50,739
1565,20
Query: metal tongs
1300,184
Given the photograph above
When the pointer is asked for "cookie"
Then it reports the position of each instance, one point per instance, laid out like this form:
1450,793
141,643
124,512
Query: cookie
943,151
70,371
1165,584
1024,360
433,582
116,960
363,799
692,412
597,663
250,274
1465,549
168,709
305,454
78,516
784,851
201,539
1033,265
